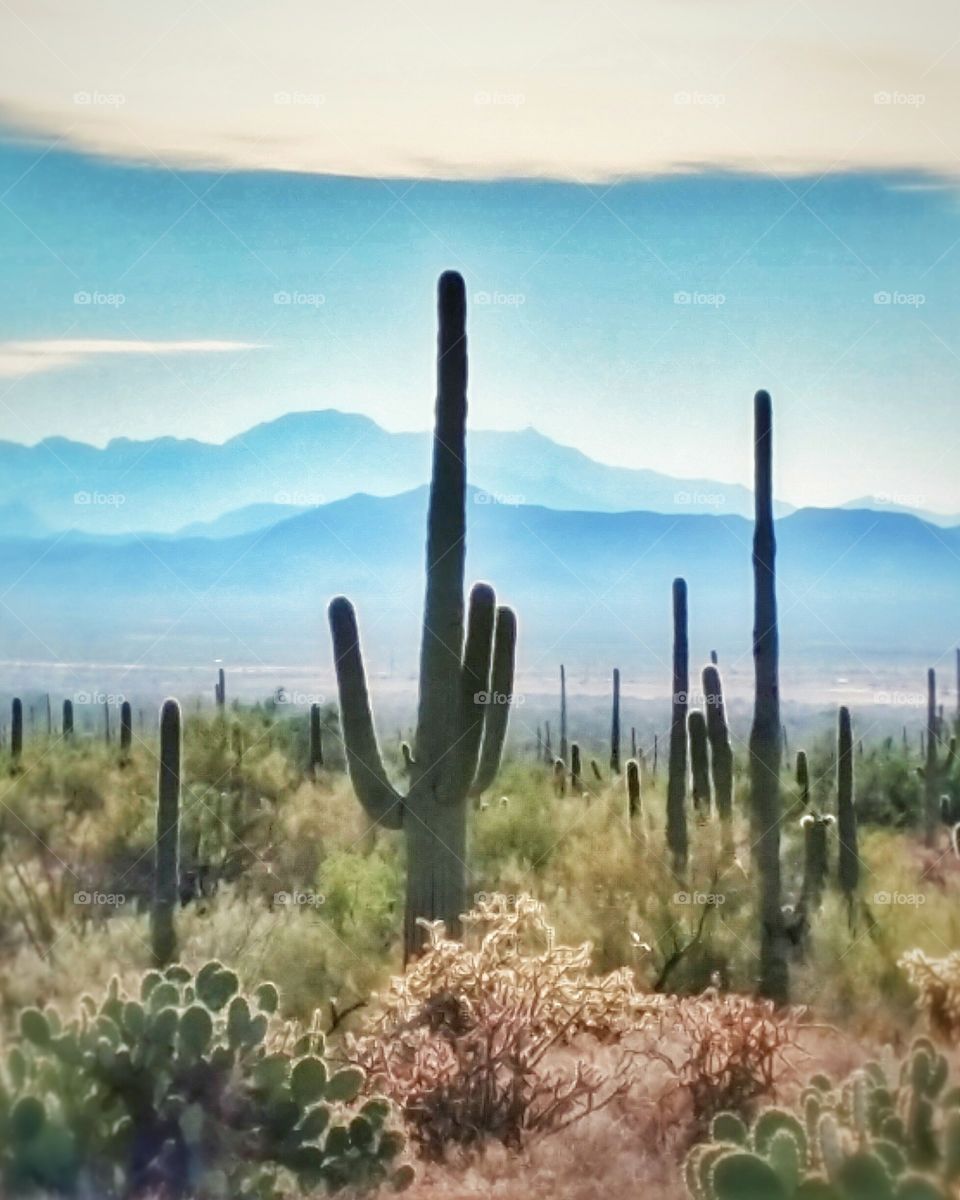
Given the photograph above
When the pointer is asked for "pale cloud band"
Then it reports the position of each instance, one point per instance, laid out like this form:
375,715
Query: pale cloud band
20,359
552,88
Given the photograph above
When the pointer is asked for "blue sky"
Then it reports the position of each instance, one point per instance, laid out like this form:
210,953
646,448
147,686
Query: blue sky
210,217
633,320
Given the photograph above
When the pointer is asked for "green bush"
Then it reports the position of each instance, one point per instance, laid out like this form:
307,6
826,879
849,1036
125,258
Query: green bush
181,1091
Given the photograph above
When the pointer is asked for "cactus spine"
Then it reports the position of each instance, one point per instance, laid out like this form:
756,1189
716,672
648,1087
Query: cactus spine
615,724
718,735
67,720
16,729
316,740
765,732
677,770
163,935
126,730
563,713
633,789
848,863
699,762
466,674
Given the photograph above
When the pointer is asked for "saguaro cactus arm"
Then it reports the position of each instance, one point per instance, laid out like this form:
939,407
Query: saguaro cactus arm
379,798
501,693
475,697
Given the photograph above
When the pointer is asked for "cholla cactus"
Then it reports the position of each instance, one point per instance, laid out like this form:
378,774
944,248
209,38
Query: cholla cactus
863,1139
185,1089
937,983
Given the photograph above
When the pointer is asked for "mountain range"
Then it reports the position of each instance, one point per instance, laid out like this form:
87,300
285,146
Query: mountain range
856,587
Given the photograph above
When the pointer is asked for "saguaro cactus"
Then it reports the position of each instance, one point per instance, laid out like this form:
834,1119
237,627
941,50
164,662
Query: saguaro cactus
848,863
815,828
220,689
563,713
576,770
559,778
466,675
16,729
106,719
615,724
699,762
547,744
721,753
765,733
803,778
677,770
316,740
930,769
46,700
166,887
67,720
633,789
126,729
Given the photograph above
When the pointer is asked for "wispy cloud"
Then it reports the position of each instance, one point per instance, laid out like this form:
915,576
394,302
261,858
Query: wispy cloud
18,359
551,88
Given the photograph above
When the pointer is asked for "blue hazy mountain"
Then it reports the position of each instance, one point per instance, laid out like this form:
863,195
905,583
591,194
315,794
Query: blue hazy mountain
855,586
311,458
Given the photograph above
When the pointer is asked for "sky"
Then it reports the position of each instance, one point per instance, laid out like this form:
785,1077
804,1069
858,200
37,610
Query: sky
209,218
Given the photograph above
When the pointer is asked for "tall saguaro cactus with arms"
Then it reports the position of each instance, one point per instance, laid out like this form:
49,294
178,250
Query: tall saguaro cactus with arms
466,672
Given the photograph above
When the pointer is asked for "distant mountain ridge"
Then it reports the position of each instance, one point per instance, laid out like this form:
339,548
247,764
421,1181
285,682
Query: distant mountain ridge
855,587
306,459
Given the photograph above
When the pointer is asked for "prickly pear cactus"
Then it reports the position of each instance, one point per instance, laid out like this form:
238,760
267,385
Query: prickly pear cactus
185,1089
866,1139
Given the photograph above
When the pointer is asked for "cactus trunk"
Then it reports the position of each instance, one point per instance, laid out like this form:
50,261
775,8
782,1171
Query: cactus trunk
163,934
718,735
316,739
563,713
677,769
67,720
699,762
848,863
615,725
126,729
931,799
633,789
576,770
16,729
765,743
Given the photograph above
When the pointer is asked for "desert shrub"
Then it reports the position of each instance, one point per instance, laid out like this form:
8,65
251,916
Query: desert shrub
867,1138
471,1042
178,1090
727,1052
937,984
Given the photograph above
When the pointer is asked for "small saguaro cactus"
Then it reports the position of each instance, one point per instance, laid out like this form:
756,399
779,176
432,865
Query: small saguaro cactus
721,752
539,744
633,789
547,744
220,689
699,762
633,741
67,720
933,772
466,672
106,719
595,768
126,730
803,778
16,729
815,865
316,740
615,724
765,745
677,772
166,887
848,861
563,713
713,658
576,779
46,700
559,778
